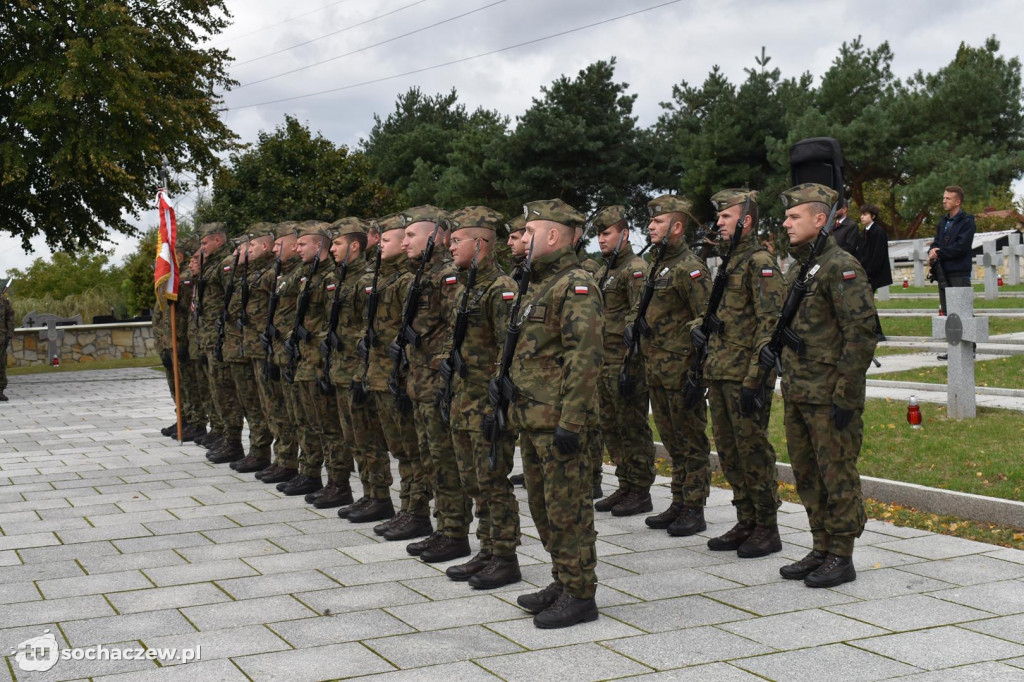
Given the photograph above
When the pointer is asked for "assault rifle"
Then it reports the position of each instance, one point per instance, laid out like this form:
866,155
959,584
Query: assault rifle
299,332
243,317
332,342
270,333
200,288
369,340
222,320
640,327
768,358
501,391
406,334
454,362
711,324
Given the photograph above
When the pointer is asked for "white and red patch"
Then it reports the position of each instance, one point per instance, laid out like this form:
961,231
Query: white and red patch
695,274
332,287
637,274
767,272
581,290
451,279
227,268
849,274
507,295
369,290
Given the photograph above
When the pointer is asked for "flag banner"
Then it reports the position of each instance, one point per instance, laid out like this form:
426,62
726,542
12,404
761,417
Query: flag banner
165,272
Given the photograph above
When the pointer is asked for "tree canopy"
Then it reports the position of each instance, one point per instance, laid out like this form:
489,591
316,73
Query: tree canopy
93,93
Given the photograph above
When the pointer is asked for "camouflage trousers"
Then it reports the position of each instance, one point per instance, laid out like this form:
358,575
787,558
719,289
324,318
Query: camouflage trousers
593,446
293,407
286,448
247,395
361,429
192,411
825,468
627,432
400,433
323,422
3,367
206,395
452,506
684,434
557,490
497,510
224,398
746,456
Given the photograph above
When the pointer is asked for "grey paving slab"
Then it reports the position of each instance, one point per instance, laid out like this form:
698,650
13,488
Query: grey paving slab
361,597
345,627
296,561
194,573
175,541
660,561
462,671
441,646
524,633
670,584
675,614
167,597
889,582
936,546
1004,598
43,555
720,672
313,664
706,644
119,628
1005,627
276,583
579,663
838,662
909,612
939,648
780,597
229,550
218,644
83,669
470,610
200,670
137,560
246,612
800,629
1007,554
365,574
93,584
981,672
53,610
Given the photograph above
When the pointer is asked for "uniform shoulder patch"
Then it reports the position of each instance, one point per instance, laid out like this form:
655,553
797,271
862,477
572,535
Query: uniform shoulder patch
451,279
369,289
695,274
767,272
227,268
581,289
507,295
332,287
849,274
637,274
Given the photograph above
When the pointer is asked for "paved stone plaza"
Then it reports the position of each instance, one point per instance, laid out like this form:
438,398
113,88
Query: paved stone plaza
114,535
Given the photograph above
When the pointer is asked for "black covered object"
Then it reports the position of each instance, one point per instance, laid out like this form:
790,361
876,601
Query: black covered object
817,159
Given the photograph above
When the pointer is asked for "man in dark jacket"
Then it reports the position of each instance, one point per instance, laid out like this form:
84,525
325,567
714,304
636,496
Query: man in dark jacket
874,255
953,243
846,232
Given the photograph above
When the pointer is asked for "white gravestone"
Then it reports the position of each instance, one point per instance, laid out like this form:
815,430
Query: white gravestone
989,261
1013,252
962,330
919,256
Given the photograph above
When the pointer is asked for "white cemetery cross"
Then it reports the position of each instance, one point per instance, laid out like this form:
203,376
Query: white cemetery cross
883,292
920,256
989,260
962,330
1013,252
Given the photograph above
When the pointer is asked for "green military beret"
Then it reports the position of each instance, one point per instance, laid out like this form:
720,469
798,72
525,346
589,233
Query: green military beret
347,226
390,222
608,216
257,230
206,229
426,213
554,210
476,216
669,203
313,228
517,224
807,193
732,197
285,229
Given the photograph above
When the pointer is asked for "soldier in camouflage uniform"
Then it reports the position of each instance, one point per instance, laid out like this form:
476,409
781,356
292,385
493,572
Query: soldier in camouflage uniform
682,286
413,519
516,226
823,389
748,312
7,327
556,368
624,424
360,427
281,392
452,507
593,439
197,359
474,234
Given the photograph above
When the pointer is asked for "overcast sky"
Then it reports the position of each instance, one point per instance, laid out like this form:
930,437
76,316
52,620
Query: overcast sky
655,49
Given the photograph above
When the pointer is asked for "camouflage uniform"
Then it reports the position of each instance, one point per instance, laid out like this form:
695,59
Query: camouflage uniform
593,440
836,323
7,327
193,412
749,311
624,421
682,286
197,361
556,367
487,306
399,429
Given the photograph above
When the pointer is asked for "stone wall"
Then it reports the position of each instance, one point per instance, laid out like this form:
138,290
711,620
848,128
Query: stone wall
82,343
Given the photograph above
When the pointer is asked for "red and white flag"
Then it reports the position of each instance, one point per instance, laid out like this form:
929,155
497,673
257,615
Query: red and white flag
165,272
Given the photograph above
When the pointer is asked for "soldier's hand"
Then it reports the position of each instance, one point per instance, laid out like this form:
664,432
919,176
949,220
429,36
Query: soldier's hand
699,338
566,441
494,391
767,358
629,335
446,371
749,402
841,416
489,428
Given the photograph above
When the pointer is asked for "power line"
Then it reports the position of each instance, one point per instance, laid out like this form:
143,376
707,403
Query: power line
454,61
332,33
275,25
367,47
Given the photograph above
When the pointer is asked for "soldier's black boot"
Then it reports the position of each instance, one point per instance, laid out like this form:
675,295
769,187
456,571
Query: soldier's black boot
251,463
414,526
500,571
535,602
265,472
446,549
334,495
566,611
417,548
280,475
193,431
763,541
517,479
803,568
467,570
171,430
835,570
3,398
231,451
689,522
607,503
374,509
382,528
732,538
349,508
597,492
211,440
300,485
665,518
636,502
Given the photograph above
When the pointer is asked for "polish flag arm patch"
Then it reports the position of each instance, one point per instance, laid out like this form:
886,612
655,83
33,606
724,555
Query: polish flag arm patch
227,268
451,279
507,295
369,290
332,287
581,289
767,272
637,274
849,274
694,274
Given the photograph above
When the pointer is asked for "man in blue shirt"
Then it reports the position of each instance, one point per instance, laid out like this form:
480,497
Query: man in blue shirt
953,243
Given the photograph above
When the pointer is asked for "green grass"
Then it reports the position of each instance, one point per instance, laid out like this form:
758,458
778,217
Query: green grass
152,361
1003,372
912,303
881,351
897,288
920,325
